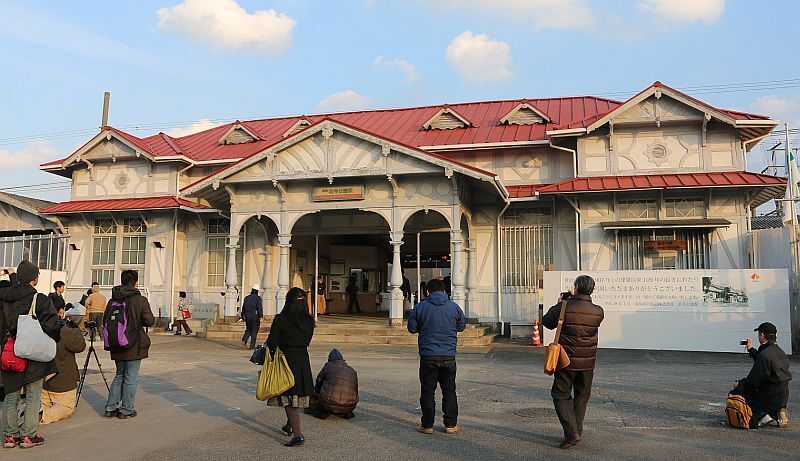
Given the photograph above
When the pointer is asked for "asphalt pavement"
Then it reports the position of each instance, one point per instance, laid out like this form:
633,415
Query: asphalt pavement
196,400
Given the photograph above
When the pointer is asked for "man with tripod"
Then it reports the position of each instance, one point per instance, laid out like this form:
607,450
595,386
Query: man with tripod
58,395
127,306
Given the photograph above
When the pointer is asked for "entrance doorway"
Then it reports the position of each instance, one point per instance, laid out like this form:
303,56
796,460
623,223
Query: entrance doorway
426,251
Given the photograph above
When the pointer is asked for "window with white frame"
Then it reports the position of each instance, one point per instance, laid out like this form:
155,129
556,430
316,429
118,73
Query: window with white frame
217,253
685,207
110,258
637,209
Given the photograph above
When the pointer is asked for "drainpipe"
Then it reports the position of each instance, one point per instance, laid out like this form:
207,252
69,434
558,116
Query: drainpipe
499,275
574,153
174,263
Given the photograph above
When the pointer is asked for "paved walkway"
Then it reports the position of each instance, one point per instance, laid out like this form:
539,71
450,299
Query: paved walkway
196,401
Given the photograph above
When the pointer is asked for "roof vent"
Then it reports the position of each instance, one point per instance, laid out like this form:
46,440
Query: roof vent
297,126
446,119
238,134
524,114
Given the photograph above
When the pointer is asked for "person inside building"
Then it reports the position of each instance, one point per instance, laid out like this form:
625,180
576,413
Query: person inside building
184,313
95,306
766,387
336,389
252,312
438,321
352,294
572,385
322,306
58,392
291,331
406,288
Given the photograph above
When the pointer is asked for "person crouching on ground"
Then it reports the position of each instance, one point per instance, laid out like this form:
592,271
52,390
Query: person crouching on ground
252,312
58,394
19,300
184,312
438,321
579,339
336,389
128,360
291,331
766,387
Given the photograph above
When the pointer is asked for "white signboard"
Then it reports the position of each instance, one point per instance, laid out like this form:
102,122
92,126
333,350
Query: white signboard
690,310
678,291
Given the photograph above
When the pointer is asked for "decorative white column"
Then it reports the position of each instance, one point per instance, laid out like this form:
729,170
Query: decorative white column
231,279
396,281
472,277
268,283
283,270
456,275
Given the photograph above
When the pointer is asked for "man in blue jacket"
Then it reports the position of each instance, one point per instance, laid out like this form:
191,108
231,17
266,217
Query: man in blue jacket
252,312
438,321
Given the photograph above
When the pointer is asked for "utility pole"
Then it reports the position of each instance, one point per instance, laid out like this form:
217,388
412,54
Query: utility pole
791,180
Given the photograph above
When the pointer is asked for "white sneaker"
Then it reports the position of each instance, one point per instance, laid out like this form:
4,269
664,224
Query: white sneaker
767,420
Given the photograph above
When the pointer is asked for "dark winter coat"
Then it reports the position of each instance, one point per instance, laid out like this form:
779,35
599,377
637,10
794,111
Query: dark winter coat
294,342
71,343
768,380
57,300
140,317
337,387
17,301
253,305
438,321
579,331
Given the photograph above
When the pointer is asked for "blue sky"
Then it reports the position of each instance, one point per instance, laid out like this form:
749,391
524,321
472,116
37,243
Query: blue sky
172,64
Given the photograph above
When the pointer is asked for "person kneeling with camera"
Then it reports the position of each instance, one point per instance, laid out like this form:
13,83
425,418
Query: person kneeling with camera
58,393
766,387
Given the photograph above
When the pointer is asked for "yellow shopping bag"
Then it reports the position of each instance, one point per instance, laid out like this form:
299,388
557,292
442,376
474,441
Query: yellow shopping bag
275,377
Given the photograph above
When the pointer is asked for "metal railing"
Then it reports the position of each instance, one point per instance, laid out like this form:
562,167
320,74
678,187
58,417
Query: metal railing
46,251
526,251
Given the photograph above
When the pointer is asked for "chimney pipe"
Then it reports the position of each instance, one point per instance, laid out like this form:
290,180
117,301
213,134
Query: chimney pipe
106,98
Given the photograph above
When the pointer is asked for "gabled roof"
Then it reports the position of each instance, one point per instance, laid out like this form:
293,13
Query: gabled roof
124,204
523,107
735,118
29,204
228,137
446,119
329,123
298,125
663,181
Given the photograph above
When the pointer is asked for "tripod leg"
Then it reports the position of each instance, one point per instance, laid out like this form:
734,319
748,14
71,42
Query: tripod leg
100,367
83,379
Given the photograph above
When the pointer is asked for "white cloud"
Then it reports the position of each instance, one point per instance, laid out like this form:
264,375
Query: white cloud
33,154
479,58
400,64
343,101
226,25
784,109
544,14
196,127
685,10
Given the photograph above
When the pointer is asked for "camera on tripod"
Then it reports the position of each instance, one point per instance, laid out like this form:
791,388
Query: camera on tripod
90,325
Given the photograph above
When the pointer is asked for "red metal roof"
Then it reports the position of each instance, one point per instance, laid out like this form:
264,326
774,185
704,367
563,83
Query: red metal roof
523,190
662,181
122,204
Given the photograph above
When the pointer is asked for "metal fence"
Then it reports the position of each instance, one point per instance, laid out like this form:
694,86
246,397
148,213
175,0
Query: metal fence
526,252
46,251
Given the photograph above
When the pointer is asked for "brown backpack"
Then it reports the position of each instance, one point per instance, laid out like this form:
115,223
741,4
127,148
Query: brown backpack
738,412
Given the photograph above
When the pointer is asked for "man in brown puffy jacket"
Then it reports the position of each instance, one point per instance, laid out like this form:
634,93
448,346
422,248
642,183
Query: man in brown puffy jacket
336,388
573,385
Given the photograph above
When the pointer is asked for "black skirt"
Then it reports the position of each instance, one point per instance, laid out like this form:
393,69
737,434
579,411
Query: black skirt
300,364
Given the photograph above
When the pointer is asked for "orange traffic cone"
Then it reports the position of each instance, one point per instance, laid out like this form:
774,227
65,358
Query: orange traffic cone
536,341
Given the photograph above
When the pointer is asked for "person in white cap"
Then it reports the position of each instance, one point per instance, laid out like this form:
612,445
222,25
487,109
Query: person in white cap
252,311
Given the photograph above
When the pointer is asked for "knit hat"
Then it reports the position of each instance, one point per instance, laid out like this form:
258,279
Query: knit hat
27,271
335,355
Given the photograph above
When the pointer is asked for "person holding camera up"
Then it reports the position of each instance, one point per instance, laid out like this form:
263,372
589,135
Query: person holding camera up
579,329
20,300
766,387
58,394
127,315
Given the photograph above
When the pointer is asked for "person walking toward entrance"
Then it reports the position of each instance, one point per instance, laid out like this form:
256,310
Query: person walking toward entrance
291,331
352,292
252,311
582,320
438,321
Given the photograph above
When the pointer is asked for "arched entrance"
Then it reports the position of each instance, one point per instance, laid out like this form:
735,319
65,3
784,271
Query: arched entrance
426,251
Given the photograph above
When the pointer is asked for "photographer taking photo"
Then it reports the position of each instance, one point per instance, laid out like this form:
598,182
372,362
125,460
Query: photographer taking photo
58,393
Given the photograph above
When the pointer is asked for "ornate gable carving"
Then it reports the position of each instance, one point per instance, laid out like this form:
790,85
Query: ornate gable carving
524,114
446,119
238,134
297,126
663,109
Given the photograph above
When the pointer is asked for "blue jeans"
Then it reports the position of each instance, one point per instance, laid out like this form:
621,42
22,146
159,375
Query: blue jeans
33,403
123,388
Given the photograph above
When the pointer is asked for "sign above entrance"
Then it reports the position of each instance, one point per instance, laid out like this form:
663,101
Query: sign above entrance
330,193
665,245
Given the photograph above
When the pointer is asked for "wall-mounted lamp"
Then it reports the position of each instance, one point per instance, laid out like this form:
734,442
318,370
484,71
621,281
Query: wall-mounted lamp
158,244
73,247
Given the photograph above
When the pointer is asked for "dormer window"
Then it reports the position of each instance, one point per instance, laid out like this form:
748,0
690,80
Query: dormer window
298,125
446,119
238,134
524,114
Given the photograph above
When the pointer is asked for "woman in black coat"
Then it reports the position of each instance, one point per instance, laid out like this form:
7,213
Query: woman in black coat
291,331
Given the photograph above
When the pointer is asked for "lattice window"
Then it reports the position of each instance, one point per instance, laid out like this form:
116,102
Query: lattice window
217,253
685,208
526,252
637,209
